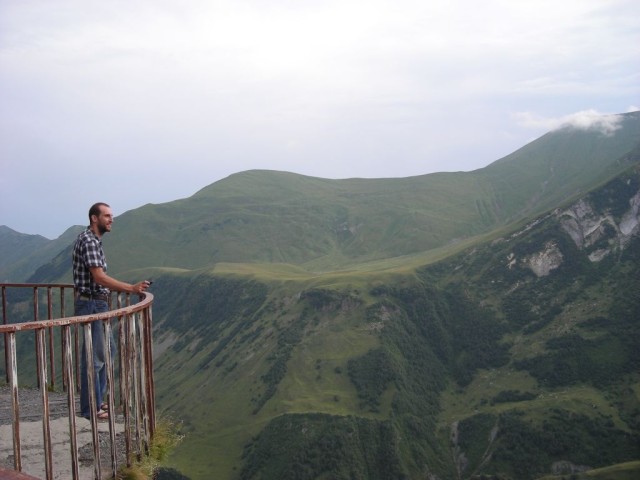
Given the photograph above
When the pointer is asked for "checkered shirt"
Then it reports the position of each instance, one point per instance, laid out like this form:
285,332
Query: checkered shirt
88,253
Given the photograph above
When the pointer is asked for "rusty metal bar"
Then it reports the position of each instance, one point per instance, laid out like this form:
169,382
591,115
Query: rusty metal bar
17,327
52,355
62,303
15,402
6,335
65,384
126,373
71,400
136,384
35,319
110,385
91,381
42,380
36,307
148,318
76,342
121,343
143,383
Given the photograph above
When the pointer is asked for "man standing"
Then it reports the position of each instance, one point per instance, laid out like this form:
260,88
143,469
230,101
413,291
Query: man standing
93,287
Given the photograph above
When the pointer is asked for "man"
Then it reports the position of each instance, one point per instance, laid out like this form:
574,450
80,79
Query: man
93,287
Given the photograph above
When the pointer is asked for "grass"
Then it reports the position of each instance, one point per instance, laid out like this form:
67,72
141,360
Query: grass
622,471
476,398
166,437
318,370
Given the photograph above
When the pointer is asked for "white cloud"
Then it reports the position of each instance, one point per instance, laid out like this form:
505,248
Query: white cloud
583,120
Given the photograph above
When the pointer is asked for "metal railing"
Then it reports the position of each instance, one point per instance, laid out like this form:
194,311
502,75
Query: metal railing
133,380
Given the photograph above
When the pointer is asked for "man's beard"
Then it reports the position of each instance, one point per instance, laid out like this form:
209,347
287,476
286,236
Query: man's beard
102,229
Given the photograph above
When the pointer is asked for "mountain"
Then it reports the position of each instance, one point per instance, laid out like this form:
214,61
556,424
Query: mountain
448,326
516,357
323,225
22,254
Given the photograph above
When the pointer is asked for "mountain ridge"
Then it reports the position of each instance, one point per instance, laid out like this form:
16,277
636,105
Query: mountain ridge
324,224
483,324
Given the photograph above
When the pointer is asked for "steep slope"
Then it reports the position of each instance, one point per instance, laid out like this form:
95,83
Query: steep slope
515,358
562,164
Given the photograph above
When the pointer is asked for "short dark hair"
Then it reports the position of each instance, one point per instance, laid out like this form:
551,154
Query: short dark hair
96,209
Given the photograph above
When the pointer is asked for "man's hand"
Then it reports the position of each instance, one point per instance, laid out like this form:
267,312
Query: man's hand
140,287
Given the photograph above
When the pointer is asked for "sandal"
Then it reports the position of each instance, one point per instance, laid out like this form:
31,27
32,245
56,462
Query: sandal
102,415
104,407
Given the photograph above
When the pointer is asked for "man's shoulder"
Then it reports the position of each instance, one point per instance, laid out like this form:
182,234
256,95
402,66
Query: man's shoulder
87,236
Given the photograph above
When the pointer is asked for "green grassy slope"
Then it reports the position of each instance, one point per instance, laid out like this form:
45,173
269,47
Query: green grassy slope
561,165
472,365
300,320
623,471
322,225
21,254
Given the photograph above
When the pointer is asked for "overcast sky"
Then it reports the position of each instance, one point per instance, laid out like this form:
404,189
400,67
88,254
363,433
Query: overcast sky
148,101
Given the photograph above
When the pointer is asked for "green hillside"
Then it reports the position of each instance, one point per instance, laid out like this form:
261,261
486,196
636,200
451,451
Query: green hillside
447,326
22,254
474,365
323,225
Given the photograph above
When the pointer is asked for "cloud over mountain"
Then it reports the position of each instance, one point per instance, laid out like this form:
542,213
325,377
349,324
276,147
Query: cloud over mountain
582,120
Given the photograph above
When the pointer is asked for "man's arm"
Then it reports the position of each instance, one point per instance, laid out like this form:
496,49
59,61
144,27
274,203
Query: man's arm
101,278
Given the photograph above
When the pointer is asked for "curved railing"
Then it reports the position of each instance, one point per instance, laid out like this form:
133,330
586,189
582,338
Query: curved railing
130,387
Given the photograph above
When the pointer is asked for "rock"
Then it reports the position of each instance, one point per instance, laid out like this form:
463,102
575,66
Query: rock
542,263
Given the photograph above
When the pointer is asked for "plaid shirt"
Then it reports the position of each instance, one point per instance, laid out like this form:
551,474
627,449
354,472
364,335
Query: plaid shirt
88,253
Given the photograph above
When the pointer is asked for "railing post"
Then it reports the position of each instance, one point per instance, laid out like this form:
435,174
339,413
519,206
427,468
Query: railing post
42,378
6,335
63,346
143,380
136,384
76,341
15,402
148,351
127,374
36,315
112,421
91,381
71,399
52,355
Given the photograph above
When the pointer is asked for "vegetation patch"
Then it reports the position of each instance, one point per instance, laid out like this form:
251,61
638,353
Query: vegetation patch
523,450
315,446
371,374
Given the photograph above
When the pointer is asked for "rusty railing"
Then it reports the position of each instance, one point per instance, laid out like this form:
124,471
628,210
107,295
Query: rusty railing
130,388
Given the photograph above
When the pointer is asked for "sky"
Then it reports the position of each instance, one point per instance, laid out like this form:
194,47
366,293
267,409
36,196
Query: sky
148,101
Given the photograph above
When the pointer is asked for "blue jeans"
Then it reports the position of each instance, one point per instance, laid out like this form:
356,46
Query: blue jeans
88,307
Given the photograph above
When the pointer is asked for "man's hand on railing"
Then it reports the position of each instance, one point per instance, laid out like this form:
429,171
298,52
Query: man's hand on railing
140,287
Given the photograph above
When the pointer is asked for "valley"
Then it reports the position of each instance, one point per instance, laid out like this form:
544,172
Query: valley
449,326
